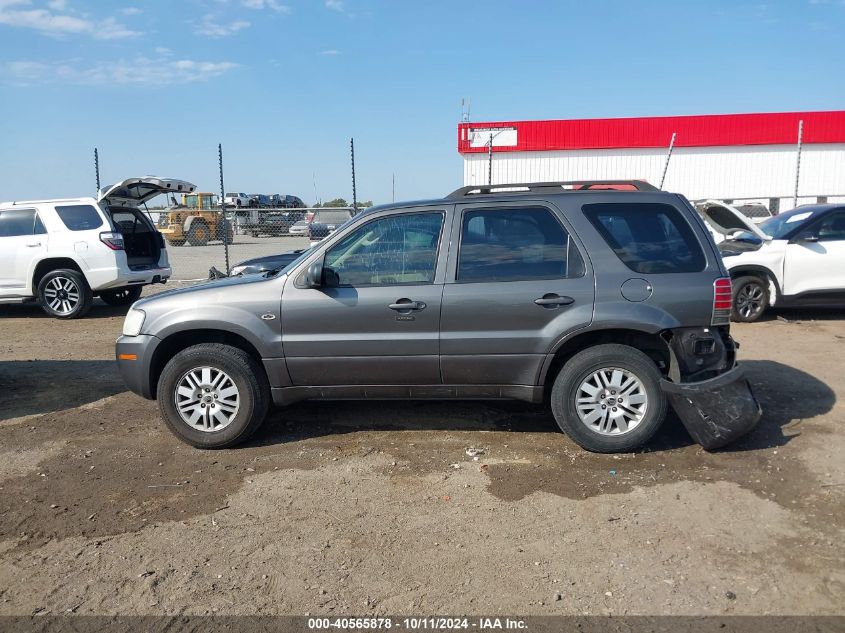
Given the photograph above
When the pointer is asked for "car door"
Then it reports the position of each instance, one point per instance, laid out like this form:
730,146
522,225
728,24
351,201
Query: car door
374,320
23,241
516,282
815,257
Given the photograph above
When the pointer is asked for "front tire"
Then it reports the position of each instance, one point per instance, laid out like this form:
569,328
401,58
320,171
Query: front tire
608,399
121,296
750,298
213,395
64,294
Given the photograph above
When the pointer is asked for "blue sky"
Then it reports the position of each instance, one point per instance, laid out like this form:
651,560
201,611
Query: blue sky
283,84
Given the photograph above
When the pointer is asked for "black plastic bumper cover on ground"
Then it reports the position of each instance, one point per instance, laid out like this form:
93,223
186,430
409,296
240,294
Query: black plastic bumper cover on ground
715,411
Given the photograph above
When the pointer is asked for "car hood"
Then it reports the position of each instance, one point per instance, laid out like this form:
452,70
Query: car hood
199,289
726,219
269,259
133,192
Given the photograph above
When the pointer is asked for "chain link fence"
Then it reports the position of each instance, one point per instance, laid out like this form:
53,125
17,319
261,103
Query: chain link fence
197,238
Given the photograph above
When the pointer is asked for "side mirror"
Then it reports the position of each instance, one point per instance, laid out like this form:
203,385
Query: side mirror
314,277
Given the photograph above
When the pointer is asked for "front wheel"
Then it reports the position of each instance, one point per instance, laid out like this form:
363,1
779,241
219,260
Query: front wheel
608,398
213,395
750,299
121,296
198,234
64,294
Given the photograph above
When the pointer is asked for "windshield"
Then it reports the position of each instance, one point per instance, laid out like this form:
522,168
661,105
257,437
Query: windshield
331,217
779,225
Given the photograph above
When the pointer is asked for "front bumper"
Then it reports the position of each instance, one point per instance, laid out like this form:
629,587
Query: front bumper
134,356
715,411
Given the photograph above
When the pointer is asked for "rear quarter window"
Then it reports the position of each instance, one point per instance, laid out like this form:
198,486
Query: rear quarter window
648,237
80,217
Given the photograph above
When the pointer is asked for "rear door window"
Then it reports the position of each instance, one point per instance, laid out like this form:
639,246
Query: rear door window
515,244
17,222
80,217
648,237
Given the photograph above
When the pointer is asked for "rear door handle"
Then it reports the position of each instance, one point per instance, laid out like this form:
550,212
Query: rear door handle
552,299
33,244
407,304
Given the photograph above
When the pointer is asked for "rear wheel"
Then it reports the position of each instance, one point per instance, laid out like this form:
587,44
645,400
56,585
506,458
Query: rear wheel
198,234
750,298
121,296
213,395
64,294
608,398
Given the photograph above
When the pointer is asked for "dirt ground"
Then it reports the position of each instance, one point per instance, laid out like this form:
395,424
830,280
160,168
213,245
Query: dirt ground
375,508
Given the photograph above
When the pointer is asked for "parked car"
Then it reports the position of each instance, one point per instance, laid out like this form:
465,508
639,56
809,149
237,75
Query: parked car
278,201
299,228
266,263
796,258
272,222
259,201
608,304
324,222
65,252
236,200
757,212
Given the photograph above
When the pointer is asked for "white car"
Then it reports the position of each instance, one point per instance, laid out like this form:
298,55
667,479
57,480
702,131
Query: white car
236,200
796,258
65,252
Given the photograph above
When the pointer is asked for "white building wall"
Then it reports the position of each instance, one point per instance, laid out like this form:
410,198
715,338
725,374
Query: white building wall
751,172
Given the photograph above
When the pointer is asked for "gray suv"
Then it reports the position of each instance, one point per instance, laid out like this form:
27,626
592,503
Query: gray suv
610,305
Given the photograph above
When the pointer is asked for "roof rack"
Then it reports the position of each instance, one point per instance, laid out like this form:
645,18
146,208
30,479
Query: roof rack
554,187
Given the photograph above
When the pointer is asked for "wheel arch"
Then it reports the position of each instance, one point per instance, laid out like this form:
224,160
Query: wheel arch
756,270
50,264
177,341
649,342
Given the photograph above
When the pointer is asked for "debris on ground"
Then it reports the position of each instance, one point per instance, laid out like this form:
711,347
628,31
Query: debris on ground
474,452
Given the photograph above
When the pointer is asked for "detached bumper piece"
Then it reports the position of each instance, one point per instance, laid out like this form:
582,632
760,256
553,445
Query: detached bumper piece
717,411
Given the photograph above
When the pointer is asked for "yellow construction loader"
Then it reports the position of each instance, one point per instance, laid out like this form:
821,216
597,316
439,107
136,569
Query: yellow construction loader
196,221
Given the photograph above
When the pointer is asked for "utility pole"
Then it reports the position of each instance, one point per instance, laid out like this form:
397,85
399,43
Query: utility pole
97,168
354,192
798,161
668,156
225,222
393,188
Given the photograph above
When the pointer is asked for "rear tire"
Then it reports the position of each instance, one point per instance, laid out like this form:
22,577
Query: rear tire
621,414
233,404
198,234
122,296
750,298
64,294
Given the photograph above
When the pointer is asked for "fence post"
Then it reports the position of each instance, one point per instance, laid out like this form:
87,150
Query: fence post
490,160
668,156
225,222
354,192
97,168
798,161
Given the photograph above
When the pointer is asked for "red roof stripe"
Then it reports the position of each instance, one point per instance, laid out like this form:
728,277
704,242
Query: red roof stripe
710,130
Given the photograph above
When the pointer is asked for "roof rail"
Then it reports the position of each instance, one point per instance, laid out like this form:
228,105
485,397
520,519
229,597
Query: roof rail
554,187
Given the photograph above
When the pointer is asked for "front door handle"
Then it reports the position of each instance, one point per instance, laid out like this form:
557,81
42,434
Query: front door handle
406,304
33,244
553,300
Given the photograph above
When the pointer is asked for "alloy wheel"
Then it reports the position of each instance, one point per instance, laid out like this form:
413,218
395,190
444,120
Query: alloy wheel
611,401
749,300
62,295
207,399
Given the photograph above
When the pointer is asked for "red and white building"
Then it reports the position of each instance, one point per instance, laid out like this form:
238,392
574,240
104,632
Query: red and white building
739,157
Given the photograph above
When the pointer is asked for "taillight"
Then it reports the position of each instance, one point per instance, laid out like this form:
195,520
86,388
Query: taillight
722,301
113,240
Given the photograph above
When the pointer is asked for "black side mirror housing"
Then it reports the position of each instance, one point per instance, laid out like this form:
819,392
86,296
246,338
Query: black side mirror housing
314,277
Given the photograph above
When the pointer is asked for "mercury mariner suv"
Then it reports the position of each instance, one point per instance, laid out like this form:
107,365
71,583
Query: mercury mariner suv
610,305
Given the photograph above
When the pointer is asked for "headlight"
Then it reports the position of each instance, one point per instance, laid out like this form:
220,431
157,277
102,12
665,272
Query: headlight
133,322
237,270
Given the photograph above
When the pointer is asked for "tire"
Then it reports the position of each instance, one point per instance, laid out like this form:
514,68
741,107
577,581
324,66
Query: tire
198,234
241,371
750,298
125,296
621,363
64,294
